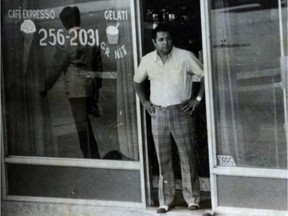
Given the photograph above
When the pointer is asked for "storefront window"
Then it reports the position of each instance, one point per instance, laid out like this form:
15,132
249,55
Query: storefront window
62,122
249,83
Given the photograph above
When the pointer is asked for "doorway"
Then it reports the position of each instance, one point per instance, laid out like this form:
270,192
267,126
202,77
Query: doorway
186,26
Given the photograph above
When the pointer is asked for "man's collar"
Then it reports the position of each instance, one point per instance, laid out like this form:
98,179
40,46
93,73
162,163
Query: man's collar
157,57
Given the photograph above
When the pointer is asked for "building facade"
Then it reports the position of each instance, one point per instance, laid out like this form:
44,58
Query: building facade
242,145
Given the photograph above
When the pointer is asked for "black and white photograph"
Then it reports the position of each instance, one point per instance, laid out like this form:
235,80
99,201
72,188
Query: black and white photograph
144,107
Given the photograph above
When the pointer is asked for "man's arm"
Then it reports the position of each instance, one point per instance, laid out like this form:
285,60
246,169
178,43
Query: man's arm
194,103
196,68
59,65
201,90
144,97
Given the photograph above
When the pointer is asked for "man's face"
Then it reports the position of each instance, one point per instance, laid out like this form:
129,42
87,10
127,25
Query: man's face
163,43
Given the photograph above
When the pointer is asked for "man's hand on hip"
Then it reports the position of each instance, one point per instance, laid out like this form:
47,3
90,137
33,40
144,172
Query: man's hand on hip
149,107
191,106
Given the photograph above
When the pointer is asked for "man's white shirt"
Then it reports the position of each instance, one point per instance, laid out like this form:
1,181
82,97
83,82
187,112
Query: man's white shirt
170,83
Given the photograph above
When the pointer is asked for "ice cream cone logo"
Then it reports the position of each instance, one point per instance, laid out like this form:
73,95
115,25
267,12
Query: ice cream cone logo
28,28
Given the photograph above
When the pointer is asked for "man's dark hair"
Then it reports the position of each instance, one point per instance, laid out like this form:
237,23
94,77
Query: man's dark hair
160,28
70,17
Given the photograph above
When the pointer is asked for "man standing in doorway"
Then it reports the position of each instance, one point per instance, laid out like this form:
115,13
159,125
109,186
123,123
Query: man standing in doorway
170,71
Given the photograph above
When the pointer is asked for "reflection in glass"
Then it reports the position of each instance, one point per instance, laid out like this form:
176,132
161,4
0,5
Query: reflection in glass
248,93
45,126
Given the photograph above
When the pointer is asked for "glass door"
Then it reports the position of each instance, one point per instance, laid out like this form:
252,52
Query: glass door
245,55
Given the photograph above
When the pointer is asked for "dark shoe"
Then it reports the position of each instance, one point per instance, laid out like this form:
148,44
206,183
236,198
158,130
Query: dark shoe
207,214
193,206
163,209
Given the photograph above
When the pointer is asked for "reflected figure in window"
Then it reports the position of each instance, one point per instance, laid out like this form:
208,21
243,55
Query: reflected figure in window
80,63
171,106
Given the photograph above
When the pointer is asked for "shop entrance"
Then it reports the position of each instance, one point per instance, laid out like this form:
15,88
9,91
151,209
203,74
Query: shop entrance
245,59
185,23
